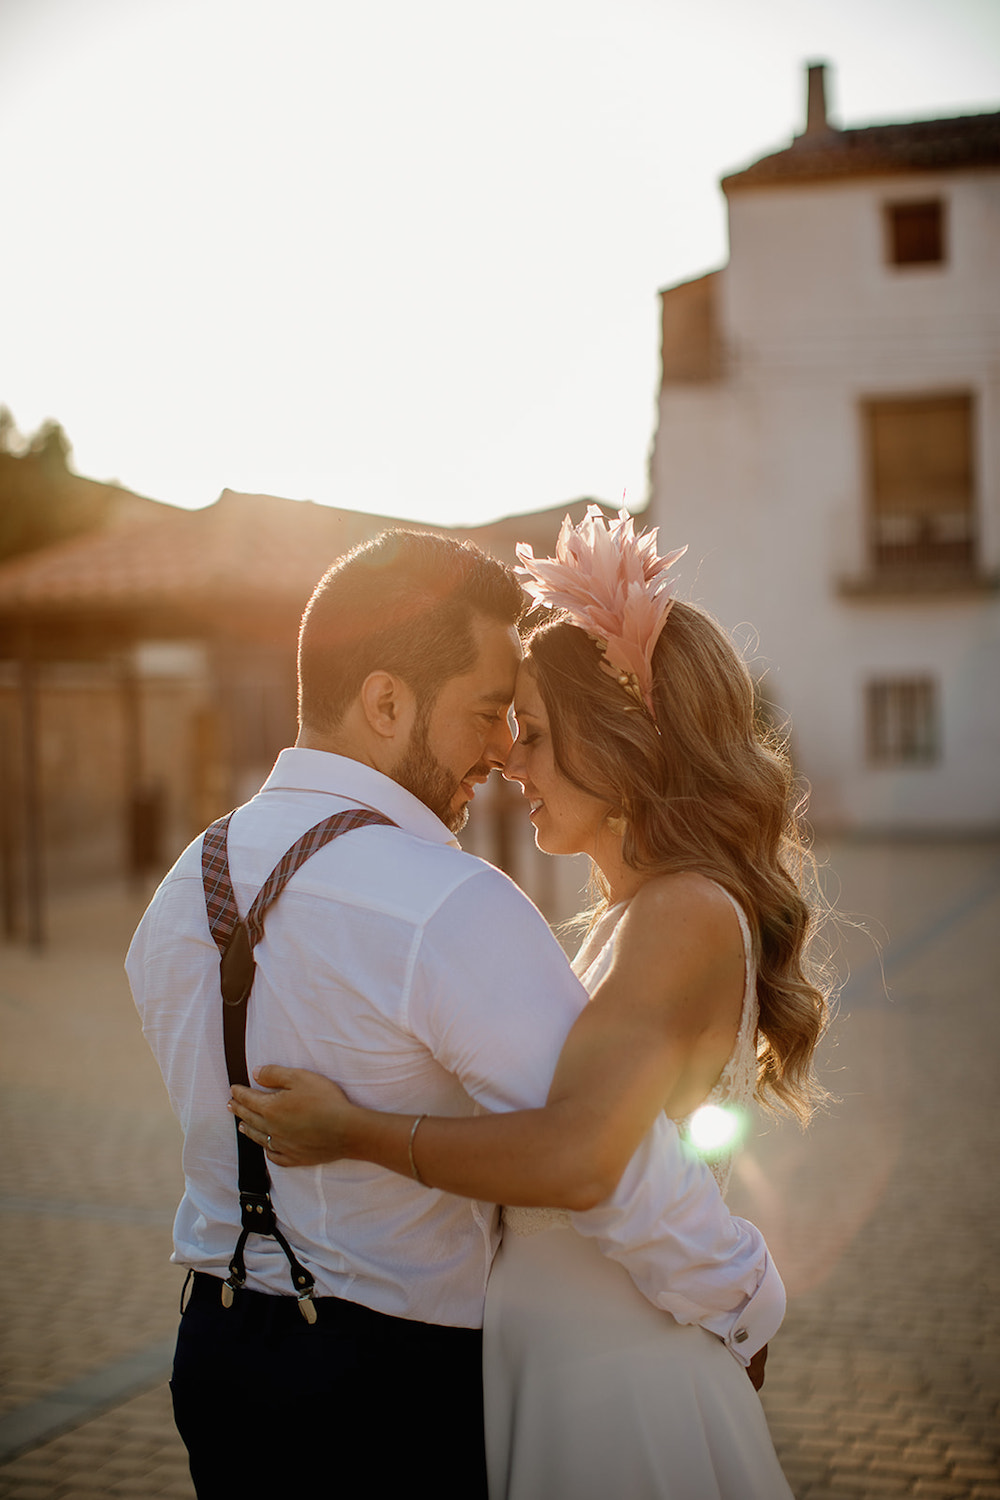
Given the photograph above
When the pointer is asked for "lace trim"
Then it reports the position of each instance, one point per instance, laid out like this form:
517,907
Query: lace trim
526,1221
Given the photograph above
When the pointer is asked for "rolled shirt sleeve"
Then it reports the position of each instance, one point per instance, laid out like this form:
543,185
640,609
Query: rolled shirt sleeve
493,998
667,1224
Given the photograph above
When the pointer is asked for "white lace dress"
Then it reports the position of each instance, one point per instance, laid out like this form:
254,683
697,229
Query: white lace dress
592,1393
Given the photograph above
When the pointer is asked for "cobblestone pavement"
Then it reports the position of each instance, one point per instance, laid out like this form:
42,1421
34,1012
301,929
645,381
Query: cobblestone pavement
883,1381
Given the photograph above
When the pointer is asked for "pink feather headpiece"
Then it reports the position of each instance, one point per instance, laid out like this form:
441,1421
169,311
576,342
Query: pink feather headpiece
612,585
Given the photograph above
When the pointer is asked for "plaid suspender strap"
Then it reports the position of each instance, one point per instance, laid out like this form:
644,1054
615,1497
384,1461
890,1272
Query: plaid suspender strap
236,940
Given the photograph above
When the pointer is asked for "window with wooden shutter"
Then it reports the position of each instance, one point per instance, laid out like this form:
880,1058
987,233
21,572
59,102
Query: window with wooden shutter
915,233
922,514
902,721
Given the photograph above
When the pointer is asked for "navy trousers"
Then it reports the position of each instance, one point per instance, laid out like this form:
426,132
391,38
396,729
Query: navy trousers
358,1403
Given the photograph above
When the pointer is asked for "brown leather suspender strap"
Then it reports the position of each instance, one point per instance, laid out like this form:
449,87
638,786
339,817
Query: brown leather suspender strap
236,939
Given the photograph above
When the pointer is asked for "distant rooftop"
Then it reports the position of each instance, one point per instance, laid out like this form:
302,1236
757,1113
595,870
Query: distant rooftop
245,547
245,550
824,153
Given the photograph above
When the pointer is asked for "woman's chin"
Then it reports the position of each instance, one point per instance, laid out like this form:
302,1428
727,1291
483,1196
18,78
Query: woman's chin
549,842
540,840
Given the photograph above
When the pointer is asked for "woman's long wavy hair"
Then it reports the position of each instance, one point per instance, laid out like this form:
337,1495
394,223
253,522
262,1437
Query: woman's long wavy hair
708,788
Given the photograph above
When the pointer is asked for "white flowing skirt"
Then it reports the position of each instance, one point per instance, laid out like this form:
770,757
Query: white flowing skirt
593,1394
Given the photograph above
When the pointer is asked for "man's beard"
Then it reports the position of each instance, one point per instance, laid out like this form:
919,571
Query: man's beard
427,779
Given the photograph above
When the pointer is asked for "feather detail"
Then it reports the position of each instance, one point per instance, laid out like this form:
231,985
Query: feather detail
614,586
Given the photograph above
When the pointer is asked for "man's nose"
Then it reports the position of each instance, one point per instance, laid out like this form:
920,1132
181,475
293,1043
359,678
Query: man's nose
510,766
499,746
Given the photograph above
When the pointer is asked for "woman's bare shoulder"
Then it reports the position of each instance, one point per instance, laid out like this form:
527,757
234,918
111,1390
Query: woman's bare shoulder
681,919
679,949
683,896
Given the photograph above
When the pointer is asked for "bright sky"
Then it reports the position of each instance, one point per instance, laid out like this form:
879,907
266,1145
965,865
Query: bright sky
399,255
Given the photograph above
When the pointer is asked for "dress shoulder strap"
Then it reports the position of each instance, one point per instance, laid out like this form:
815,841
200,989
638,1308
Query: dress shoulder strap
749,965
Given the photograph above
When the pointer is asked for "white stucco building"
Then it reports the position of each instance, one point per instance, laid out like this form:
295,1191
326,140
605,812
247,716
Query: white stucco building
829,446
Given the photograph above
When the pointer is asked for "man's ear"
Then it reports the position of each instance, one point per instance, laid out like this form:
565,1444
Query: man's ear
389,706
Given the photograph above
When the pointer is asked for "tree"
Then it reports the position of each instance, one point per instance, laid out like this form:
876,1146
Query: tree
41,499
10,438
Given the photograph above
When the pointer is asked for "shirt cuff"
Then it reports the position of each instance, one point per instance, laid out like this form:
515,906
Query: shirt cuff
746,1331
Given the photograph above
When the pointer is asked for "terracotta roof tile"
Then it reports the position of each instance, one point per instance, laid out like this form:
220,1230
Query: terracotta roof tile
243,548
920,146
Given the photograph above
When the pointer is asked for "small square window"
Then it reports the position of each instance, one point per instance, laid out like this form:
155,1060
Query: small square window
902,721
915,233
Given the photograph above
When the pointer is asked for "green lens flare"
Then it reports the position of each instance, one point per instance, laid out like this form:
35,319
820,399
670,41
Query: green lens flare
715,1127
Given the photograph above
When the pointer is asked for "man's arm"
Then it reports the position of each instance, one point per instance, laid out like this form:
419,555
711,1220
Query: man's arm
493,999
667,1225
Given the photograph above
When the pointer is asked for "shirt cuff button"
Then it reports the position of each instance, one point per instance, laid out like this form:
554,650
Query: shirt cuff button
740,1336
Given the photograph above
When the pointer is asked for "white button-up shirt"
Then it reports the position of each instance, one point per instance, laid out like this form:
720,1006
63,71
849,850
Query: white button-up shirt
423,980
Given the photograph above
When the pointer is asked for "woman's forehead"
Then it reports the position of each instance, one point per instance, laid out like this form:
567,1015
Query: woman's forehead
527,698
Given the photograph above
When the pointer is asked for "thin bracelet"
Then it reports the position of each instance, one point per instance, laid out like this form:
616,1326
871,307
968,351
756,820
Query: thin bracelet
413,1166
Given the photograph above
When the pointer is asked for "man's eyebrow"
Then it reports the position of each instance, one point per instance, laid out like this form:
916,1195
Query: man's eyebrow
499,696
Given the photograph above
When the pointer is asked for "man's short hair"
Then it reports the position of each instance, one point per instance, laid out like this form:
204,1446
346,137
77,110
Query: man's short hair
404,603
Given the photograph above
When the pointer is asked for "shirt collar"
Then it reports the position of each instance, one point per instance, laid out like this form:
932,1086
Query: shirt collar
339,776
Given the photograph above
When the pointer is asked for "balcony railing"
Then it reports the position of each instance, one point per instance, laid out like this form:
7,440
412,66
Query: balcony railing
920,553
942,542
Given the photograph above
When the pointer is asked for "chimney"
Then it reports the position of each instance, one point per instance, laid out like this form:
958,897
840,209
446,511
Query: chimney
817,125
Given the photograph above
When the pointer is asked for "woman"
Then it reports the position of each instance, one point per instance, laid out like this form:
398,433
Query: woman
638,744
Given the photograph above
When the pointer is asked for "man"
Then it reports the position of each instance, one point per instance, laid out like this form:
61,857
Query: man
422,980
